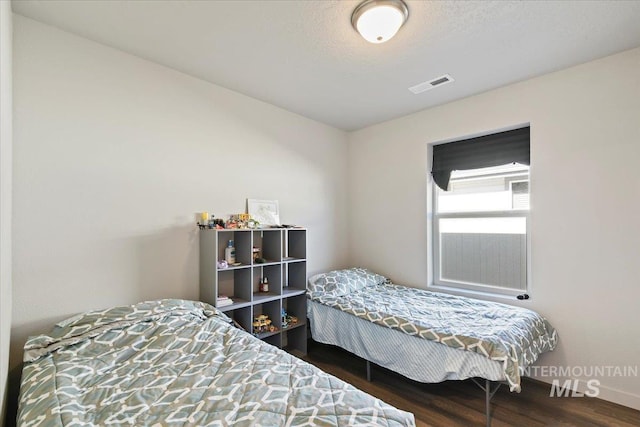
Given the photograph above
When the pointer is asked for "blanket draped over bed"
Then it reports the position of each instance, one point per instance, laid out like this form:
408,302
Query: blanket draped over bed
513,336
176,363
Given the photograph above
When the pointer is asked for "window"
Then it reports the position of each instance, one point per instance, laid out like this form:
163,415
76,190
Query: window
480,228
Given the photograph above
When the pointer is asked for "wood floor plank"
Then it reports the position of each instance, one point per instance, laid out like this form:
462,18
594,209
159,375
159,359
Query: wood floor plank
462,403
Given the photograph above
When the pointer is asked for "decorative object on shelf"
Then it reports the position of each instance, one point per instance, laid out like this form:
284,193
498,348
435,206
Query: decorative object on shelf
287,320
207,221
204,221
262,324
265,212
231,224
243,220
264,285
222,265
255,253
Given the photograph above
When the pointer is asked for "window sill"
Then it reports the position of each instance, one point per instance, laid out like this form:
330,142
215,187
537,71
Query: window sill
476,293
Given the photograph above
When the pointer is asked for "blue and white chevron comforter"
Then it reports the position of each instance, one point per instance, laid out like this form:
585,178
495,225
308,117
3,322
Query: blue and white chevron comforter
513,336
180,363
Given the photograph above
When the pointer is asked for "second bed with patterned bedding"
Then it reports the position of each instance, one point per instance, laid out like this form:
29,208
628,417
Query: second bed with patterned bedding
174,362
512,337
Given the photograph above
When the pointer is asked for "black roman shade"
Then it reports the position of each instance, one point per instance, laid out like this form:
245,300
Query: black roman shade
497,149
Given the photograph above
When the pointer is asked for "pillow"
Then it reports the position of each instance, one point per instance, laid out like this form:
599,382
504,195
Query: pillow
342,282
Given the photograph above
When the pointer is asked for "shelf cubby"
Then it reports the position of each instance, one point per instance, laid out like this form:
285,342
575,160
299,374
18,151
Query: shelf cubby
296,276
270,244
296,244
242,316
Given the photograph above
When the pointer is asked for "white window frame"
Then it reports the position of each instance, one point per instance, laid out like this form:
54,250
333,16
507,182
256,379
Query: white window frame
434,264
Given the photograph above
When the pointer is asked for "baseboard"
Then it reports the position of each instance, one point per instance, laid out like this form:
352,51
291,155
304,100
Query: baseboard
620,397
609,394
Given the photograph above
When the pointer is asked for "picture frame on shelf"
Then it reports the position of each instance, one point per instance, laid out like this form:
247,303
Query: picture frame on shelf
266,212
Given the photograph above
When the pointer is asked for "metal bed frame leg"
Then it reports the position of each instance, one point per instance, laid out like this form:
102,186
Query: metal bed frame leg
487,401
488,395
488,392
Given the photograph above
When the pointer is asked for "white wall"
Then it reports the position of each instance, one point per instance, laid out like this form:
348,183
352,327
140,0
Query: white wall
585,193
115,155
5,194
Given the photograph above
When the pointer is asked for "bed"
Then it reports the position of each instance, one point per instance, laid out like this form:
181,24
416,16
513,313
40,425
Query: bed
176,362
426,336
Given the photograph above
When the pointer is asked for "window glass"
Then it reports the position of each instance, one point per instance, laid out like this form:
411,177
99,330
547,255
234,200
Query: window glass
480,230
490,189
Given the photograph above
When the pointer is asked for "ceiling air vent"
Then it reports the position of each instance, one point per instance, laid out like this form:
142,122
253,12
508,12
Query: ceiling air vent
425,86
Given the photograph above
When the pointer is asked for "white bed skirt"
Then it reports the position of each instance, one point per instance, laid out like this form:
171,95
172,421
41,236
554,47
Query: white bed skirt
415,358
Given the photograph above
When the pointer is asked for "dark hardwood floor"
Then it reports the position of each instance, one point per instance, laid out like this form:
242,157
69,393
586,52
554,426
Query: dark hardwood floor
462,403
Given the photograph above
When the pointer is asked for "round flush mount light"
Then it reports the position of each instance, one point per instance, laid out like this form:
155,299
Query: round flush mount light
379,20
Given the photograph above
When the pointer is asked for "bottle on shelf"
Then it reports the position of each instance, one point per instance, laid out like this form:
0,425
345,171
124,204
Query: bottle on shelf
230,253
264,285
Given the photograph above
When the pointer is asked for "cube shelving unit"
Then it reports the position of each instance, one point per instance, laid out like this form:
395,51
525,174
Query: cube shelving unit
285,254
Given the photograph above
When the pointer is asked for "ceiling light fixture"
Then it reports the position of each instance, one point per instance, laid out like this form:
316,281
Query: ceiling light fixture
379,20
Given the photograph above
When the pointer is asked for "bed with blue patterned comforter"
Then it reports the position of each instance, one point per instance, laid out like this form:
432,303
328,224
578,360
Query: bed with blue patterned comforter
180,363
512,336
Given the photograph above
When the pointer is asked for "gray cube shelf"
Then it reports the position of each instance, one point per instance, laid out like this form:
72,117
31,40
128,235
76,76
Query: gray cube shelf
285,255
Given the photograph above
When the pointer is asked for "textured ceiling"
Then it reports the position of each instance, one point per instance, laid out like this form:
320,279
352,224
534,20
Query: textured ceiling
305,57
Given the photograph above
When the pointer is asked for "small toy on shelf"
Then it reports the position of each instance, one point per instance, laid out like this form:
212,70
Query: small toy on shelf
243,220
262,324
210,222
287,320
236,221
